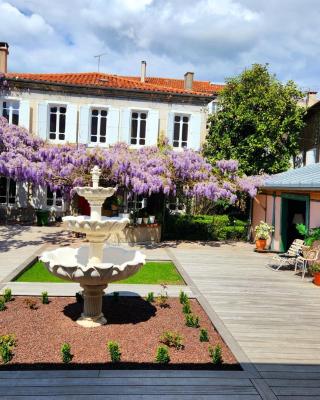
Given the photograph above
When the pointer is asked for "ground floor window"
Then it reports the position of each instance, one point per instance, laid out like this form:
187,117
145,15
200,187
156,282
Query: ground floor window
136,202
180,131
54,198
8,191
10,111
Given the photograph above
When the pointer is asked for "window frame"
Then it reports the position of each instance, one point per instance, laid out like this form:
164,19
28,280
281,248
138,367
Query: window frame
99,108
58,105
7,203
10,100
181,115
139,111
54,200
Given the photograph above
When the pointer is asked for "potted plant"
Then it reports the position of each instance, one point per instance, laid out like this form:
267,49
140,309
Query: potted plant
152,219
315,270
114,203
262,231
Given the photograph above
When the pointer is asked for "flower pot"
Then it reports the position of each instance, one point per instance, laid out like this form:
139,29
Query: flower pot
139,221
145,220
151,219
261,244
316,278
114,207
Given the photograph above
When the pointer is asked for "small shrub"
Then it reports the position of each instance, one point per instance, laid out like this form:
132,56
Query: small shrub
2,304
115,296
7,295
186,308
65,352
150,297
216,354
183,297
7,343
44,298
192,321
79,297
31,303
162,298
172,339
162,356
114,351
203,337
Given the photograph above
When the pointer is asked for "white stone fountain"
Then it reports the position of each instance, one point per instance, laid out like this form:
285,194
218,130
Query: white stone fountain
96,265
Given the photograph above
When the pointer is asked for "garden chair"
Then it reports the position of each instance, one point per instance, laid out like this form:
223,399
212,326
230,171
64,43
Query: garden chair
288,258
309,255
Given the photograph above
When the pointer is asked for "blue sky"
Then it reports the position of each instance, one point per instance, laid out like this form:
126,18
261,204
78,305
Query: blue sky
213,38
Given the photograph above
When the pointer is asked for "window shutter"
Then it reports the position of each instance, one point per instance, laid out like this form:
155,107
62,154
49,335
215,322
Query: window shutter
125,125
84,124
24,114
113,126
71,123
311,156
170,127
42,120
194,132
152,128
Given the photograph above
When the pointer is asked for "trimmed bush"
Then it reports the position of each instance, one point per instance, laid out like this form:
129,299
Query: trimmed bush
114,351
66,353
44,298
203,336
172,339
7,343
162,356
204,227
2,304
216,354
150,297
7,295
192,321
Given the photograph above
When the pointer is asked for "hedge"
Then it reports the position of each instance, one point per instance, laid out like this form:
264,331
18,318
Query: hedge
204,227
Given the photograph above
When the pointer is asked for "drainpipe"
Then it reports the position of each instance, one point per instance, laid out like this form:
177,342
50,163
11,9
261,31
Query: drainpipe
273,220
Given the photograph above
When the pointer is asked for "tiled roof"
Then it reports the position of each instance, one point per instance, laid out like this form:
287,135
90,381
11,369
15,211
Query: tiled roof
95,79
307,177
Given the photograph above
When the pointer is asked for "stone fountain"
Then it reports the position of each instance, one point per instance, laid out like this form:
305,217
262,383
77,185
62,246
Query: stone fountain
94,265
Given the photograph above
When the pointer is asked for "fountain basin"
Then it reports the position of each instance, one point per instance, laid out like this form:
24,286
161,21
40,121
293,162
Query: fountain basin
117,264
103,227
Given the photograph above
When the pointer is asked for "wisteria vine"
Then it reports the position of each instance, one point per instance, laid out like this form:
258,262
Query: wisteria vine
148,170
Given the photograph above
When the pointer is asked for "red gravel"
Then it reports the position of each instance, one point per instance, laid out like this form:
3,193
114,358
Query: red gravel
134,323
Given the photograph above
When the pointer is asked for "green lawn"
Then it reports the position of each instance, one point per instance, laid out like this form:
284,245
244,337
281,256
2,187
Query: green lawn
153,272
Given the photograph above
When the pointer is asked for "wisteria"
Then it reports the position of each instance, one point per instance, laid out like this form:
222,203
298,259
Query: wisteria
147,170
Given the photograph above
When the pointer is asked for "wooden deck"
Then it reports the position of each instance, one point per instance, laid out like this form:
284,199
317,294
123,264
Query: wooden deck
269,319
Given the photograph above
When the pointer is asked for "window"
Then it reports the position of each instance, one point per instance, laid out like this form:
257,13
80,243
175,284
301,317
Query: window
10,110
7,191
57,122
54,199
137,202
98,130
138,127
180,131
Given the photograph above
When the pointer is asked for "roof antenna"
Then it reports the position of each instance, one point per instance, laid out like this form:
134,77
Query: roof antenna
98,56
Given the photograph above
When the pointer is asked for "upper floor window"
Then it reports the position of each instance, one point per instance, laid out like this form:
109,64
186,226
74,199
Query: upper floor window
98,129
138,127
57,122
8,191
180,130
54,199
10,110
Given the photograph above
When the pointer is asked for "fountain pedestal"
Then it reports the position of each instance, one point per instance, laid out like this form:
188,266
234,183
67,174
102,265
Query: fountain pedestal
96,265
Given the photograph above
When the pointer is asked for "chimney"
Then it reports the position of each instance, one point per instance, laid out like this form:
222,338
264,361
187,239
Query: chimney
143,71
4,51
311,99
188,80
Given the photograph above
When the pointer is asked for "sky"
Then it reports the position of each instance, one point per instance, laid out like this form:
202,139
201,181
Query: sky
213,38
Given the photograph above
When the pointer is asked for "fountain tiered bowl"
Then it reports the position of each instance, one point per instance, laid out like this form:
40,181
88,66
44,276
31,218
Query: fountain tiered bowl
94,265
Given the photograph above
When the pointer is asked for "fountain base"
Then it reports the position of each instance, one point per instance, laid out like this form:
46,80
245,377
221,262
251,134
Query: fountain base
92,306
91,322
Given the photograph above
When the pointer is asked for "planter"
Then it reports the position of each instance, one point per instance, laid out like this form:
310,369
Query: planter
42,217
316,278
261,244
151,219
139,221
145,220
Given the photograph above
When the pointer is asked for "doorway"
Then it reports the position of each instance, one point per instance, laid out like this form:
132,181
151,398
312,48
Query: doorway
294,210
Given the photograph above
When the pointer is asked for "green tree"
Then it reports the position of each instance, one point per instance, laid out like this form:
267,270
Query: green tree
258,123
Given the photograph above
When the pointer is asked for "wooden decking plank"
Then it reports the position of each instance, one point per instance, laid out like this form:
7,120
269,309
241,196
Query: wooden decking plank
185,396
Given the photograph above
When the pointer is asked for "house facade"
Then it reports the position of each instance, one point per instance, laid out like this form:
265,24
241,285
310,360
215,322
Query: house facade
98,109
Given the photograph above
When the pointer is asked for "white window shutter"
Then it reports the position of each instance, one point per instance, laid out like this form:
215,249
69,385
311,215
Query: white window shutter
24,114
125,125
43,120
194,132
311,156
113,126
71,123
170,127
84,124
152,128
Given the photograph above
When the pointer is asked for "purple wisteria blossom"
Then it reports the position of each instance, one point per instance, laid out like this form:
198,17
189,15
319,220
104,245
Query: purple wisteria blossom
147,170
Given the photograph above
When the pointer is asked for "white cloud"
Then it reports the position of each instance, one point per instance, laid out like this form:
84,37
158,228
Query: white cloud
214,38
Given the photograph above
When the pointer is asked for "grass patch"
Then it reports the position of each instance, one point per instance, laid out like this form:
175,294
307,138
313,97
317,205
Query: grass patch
153,272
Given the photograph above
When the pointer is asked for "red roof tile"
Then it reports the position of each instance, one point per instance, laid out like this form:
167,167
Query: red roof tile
167,85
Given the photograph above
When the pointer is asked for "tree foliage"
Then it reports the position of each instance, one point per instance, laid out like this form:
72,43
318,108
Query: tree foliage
258,123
